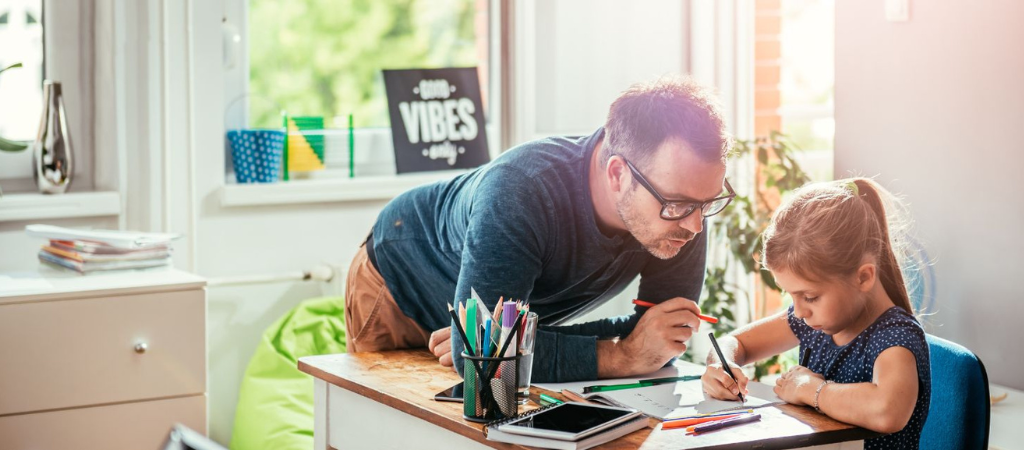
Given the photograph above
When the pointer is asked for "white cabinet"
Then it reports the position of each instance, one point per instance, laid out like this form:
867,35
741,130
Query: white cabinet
100,361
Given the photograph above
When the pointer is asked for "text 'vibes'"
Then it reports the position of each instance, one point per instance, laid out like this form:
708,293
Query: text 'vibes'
439,120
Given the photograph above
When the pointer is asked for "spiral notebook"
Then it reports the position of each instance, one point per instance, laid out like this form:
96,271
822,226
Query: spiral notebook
492,433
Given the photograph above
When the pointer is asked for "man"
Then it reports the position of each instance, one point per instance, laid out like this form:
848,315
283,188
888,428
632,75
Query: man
566,224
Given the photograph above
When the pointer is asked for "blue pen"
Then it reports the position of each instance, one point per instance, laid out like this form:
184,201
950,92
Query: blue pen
486,348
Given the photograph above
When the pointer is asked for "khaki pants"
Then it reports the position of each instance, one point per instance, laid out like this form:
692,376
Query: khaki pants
373,321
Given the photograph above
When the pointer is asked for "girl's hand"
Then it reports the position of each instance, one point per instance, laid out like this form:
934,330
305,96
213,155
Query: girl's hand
797,386
719,385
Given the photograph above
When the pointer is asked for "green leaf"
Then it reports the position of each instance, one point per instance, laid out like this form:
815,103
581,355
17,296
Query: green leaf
12,66
12,146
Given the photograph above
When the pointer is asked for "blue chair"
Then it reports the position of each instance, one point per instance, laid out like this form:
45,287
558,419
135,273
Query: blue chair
960,412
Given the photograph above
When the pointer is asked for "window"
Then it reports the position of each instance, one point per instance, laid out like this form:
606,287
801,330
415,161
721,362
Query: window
807,82
21,93
321,58
56,45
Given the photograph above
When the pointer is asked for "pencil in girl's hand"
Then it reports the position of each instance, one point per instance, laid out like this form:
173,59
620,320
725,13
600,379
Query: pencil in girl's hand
725,365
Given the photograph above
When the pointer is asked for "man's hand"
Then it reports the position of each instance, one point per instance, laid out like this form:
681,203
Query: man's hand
660,335
720,385
440,345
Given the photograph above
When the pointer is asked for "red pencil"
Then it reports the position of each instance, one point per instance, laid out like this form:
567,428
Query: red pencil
647,304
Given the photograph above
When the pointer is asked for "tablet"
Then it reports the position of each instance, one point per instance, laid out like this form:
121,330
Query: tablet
569,421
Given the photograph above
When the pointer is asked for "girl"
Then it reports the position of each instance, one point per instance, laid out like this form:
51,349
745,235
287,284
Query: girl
864,359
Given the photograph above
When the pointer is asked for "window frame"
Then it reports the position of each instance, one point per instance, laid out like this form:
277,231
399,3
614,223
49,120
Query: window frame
69,57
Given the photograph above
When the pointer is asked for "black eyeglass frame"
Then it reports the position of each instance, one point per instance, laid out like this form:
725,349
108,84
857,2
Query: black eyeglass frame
691,205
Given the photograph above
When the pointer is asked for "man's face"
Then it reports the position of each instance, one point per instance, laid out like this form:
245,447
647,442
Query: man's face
677,173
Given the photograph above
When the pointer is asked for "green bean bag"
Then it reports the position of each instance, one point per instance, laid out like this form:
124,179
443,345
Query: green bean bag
275,403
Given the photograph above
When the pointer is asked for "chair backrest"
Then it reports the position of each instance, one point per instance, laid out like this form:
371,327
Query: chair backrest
960,412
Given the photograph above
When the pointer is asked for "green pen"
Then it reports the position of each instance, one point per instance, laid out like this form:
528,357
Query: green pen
639,384
549,399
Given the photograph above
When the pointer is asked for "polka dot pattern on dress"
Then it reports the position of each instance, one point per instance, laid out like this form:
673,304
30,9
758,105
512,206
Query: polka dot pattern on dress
855,363
256,154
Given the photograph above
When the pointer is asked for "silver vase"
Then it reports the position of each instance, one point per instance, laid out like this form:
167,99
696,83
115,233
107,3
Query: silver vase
52,158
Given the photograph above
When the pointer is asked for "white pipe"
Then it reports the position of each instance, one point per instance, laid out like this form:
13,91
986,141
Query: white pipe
320,272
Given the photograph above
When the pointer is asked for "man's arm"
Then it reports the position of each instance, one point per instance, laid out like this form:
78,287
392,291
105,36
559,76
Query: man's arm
502,256
681,276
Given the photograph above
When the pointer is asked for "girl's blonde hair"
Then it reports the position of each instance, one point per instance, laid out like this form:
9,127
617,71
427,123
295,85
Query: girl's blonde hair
826,230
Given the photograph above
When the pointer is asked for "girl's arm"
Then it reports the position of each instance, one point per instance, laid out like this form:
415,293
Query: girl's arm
764,338
883,405
756,341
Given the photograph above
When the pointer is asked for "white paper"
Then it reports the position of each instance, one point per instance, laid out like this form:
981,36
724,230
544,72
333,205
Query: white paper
114,238
683,398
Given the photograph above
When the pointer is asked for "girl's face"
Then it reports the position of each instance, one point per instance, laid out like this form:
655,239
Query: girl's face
830,306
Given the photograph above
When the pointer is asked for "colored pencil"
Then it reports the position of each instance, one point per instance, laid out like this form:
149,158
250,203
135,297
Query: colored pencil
647,304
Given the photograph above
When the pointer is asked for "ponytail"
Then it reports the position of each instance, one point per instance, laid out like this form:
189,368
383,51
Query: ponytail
888,266
827,229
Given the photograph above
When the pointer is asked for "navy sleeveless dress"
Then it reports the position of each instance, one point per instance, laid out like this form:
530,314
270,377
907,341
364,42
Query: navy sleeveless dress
855,362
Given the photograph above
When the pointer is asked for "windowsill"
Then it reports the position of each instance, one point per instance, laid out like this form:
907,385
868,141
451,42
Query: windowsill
19,207
332,190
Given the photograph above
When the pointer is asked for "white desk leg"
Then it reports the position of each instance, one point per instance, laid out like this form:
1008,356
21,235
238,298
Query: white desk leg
320,420
357,423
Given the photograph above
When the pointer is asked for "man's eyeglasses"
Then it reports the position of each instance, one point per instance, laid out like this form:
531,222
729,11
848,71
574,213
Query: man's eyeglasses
679,209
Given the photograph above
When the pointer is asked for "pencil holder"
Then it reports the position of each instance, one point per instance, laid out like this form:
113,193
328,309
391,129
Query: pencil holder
491,394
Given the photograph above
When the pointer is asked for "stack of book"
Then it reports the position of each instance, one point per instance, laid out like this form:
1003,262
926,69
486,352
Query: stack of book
87,251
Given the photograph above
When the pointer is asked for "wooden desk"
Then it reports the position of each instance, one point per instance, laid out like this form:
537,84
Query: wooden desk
385,400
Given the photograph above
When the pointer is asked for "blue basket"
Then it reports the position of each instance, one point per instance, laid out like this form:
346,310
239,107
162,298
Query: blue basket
256,154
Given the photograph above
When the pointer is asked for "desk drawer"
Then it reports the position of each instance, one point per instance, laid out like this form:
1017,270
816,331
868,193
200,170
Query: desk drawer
69,353
142,425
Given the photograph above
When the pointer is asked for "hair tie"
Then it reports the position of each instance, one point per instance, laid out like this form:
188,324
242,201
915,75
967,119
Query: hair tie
852,186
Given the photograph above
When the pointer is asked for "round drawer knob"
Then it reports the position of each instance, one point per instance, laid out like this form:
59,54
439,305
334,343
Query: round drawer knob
141,348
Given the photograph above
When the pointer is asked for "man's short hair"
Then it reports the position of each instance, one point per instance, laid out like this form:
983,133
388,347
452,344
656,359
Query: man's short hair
647,114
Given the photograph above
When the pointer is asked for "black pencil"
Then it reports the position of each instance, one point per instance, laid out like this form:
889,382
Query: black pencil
725,365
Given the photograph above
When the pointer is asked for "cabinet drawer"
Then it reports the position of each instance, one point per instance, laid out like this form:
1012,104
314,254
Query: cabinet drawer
142,425
70,353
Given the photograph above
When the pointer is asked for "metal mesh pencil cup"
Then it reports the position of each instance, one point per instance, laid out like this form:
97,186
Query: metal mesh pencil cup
493,392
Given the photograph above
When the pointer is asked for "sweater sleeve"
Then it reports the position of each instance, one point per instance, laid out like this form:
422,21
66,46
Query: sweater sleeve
502,256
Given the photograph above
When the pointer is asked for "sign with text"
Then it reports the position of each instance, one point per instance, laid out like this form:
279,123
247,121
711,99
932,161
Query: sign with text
437,119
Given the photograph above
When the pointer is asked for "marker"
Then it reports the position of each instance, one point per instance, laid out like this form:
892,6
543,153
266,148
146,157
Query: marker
711,426
689,423
638,384
508,326
549,399
486,348
647,304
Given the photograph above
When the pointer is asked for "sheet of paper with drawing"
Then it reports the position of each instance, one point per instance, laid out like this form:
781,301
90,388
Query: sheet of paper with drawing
679,399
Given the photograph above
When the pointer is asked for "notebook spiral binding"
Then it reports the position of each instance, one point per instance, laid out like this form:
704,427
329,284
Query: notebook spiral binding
495,423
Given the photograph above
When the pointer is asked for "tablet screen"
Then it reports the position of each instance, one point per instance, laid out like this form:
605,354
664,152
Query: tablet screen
572,418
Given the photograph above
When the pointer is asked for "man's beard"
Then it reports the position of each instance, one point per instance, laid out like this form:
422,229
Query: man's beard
640,227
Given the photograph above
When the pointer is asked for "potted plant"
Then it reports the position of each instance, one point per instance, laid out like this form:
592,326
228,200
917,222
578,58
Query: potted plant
8,145
739,230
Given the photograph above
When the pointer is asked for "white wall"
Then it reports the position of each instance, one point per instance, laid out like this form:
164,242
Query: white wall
934,107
